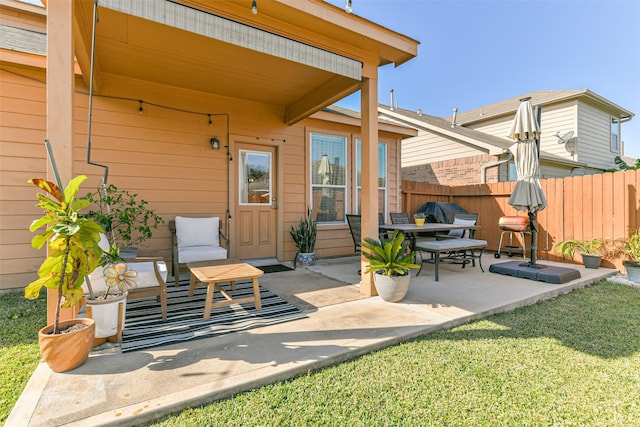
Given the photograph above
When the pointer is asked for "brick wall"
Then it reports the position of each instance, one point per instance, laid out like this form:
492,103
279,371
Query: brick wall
463,171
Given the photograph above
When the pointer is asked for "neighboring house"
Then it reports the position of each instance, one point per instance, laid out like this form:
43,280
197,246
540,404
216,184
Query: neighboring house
472,147
170,78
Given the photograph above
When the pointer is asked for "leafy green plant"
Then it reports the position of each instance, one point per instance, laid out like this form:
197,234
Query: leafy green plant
632,245
304,235
73,243
126,219
567,248
419,215
392,257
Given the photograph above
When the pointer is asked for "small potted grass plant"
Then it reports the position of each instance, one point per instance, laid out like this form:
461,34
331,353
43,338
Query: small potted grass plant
390,260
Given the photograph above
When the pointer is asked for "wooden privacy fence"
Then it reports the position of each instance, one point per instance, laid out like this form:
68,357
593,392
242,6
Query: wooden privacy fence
582,207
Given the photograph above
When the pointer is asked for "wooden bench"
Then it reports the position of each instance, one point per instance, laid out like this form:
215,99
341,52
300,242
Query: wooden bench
463,249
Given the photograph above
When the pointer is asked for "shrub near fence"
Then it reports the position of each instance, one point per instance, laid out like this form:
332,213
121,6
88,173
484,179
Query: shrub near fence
605,206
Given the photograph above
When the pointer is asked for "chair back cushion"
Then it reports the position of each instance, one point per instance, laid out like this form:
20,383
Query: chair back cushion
461,233
197,231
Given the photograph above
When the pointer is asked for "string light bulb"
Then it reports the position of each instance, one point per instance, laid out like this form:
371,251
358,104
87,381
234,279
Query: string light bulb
348,7
254,7
140,110
210,121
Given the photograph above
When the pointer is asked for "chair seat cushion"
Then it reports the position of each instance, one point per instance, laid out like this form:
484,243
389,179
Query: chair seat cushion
146,276
201,253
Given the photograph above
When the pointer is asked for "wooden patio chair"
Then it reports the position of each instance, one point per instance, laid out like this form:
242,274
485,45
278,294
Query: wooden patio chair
195,239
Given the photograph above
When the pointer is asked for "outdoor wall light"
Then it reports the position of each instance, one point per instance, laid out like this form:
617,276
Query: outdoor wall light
215,143
348,7
254,7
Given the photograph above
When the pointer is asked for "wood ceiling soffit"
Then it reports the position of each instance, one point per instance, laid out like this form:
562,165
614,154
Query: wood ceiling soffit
316,99
242,35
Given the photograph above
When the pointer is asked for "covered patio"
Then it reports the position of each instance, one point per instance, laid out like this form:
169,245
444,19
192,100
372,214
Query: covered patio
113,388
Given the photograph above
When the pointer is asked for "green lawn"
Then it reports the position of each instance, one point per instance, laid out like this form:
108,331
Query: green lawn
571,361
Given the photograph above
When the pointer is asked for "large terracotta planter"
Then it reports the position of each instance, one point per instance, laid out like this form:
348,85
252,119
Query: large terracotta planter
392,288
64,352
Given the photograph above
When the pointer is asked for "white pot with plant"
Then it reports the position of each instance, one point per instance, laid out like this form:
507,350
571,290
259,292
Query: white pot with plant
107,299
73,252
631,250
390,260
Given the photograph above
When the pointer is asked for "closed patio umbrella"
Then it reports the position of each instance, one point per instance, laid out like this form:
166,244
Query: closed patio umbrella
527,194
325,171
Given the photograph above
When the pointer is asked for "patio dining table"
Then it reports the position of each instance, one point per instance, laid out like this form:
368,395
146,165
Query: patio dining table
428,227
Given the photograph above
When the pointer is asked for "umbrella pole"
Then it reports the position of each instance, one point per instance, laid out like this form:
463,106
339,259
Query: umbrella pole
534,235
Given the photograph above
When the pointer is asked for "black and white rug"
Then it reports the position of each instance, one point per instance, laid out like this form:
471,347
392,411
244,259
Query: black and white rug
144,327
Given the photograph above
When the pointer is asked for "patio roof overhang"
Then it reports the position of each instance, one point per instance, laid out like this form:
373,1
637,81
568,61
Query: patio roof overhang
297,56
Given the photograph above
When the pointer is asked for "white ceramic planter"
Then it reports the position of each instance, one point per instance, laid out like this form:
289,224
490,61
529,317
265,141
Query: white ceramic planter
105,314
392,288
633,270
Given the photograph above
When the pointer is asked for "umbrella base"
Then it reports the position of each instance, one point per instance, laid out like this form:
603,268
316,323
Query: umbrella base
539,272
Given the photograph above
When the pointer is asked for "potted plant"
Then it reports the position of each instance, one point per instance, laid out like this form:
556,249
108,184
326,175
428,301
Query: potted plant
73,252
127,220
419,218
390,260
304,236
631,250
591,250
107,307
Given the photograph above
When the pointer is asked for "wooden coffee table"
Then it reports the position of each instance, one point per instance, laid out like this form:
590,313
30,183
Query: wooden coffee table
214,273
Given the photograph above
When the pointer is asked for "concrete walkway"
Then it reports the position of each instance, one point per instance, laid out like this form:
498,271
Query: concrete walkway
112,388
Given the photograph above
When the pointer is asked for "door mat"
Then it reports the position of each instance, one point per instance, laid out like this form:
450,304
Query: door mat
144,327
275,268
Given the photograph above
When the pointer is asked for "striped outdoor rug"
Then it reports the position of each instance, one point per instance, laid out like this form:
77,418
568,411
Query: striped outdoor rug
144,327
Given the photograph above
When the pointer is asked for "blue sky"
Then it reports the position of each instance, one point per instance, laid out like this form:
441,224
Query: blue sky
475,53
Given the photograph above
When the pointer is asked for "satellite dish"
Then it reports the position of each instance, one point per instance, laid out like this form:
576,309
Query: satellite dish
564,138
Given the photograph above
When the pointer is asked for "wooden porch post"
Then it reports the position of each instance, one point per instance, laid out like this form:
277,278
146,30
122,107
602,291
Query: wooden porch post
369,178
60,87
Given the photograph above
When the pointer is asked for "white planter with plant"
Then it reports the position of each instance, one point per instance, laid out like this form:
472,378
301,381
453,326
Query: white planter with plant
632,252
390,260
109,307
304,236
73,252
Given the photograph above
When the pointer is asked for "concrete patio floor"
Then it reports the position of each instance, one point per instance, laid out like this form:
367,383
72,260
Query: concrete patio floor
113,388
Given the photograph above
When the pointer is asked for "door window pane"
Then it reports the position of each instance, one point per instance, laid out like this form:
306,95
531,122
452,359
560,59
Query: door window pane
255,177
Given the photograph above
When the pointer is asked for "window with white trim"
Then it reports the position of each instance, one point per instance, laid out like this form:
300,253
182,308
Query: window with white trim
615,135
329,177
